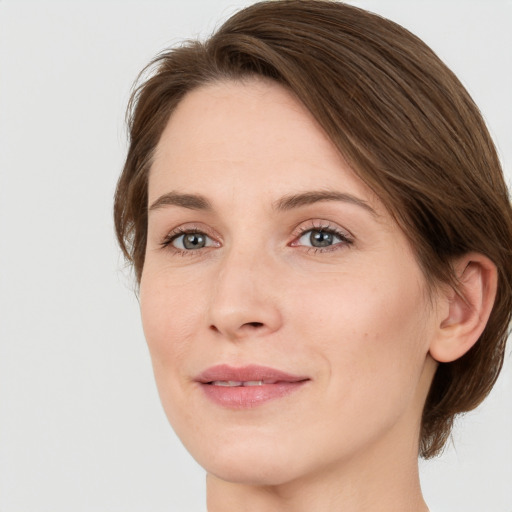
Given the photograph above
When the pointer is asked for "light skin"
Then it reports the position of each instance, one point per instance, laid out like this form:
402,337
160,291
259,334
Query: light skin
244,167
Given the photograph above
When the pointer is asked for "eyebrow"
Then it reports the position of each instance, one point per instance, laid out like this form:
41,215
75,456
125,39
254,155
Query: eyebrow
292,201
288,202
190,201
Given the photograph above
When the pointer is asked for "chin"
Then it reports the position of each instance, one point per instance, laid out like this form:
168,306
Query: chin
252,471
249,461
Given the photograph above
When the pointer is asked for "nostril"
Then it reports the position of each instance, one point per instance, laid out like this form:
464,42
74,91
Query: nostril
256,325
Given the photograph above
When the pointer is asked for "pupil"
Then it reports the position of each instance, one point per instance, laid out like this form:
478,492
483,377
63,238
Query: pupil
194,241
321,239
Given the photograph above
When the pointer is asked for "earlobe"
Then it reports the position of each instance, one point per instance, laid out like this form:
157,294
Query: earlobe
467,311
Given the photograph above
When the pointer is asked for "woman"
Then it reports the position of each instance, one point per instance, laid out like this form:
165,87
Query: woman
322,236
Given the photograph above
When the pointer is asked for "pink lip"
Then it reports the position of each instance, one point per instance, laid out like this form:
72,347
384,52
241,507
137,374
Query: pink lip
276,384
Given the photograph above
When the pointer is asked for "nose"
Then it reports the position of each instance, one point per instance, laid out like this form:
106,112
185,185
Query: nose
244,299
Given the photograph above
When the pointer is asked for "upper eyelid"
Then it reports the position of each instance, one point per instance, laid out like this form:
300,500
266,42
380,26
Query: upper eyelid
297,231
333,231
325,225
192,227
345,239
165,242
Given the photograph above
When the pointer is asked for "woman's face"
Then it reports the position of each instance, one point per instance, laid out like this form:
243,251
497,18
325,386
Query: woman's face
286,315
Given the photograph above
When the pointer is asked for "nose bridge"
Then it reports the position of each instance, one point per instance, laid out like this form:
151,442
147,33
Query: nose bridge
243,299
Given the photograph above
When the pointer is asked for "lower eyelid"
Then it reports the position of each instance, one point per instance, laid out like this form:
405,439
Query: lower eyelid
344,239
167,244
341,234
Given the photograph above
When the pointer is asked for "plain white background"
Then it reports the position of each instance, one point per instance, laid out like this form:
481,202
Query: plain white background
81,427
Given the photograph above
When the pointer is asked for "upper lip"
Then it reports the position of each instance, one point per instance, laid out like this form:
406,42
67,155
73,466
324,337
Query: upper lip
253,372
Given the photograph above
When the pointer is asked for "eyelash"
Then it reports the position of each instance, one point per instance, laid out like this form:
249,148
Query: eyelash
180,231
346,240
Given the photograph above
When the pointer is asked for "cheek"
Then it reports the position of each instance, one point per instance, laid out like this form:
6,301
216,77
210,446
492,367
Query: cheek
367,326
171,314
367,337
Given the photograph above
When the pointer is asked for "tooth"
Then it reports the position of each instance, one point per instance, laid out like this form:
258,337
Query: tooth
227,383
253,383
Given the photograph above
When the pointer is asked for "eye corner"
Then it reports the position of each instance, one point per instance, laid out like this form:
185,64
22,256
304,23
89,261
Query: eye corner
200,239
329,237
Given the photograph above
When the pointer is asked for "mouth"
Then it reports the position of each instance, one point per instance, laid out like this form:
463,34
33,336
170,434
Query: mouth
235,383
248,386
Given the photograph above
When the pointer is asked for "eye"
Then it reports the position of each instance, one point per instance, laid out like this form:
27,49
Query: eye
322,238
191,241
319,238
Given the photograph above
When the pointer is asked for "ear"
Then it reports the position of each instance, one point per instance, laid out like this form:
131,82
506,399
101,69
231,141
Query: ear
464,315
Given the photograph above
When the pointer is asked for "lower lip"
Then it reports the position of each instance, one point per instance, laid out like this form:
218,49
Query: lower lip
244,397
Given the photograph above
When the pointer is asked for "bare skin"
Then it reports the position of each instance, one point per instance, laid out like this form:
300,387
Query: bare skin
291,262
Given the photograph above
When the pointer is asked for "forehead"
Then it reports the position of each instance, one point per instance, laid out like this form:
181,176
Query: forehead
245,136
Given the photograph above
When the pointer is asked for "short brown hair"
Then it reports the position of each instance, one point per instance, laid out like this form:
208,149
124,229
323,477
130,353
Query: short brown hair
402,120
